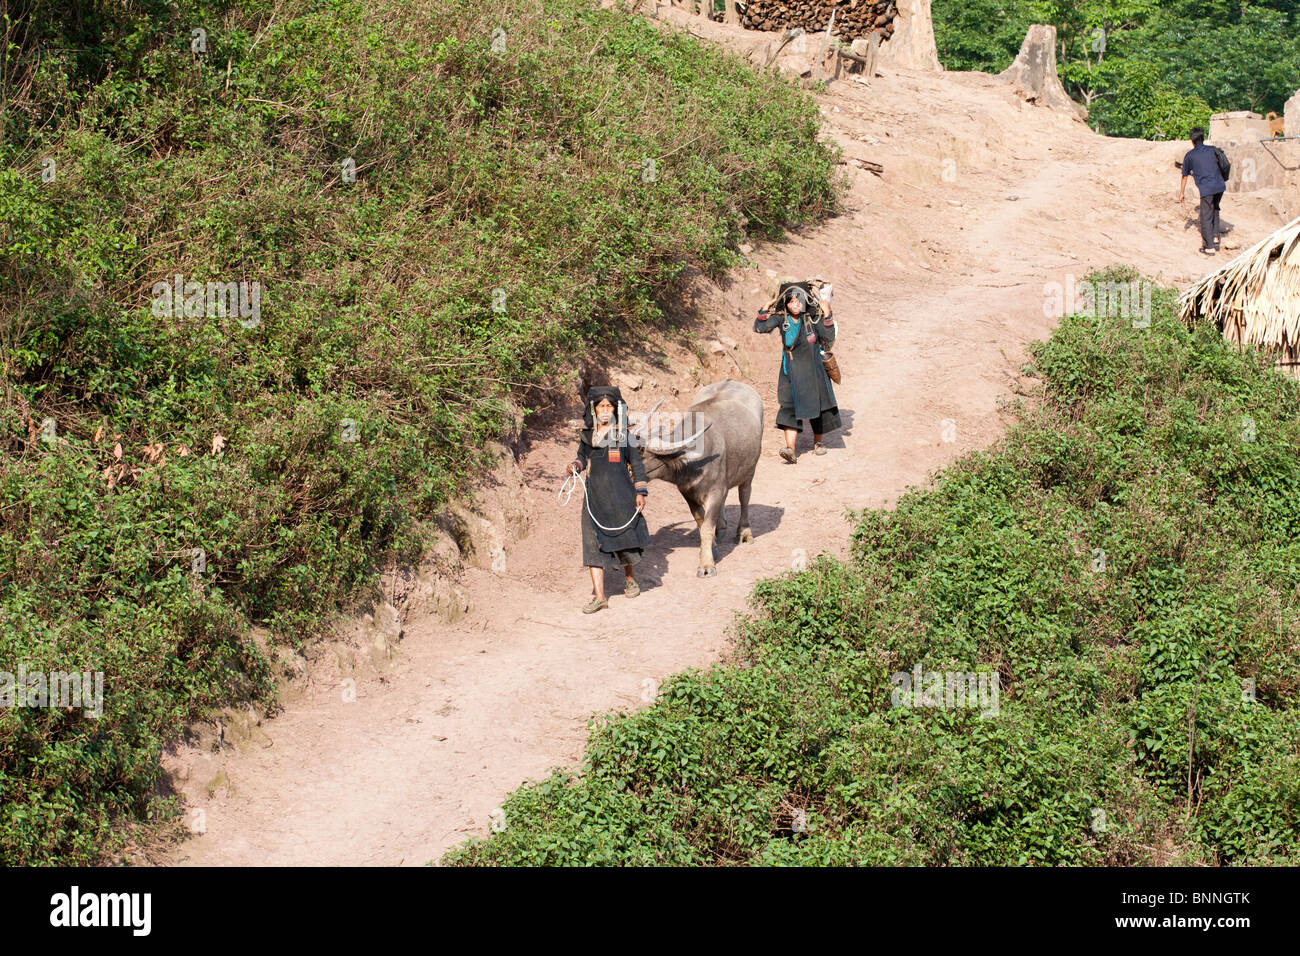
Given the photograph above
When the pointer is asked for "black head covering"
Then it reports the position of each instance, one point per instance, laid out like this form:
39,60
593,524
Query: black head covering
594,395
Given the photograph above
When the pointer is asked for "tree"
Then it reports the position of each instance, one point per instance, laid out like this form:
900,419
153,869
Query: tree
979,34
1253,64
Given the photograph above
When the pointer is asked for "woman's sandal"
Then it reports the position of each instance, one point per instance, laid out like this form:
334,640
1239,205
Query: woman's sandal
787,454
594,605
630,588
819,449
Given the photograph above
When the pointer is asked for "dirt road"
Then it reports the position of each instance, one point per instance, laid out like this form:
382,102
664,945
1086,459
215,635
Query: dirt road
939,269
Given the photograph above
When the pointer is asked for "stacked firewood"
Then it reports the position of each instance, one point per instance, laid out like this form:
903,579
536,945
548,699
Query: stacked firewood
853,18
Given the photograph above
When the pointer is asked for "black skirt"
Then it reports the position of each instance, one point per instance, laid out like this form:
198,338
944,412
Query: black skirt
827,421
594,557
804,390
611,497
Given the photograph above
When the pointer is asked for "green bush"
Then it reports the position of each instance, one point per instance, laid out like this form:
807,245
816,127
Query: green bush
1140,103
504,218
1125,560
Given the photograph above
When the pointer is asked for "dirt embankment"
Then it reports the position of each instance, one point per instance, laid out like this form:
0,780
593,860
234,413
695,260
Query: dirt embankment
939,268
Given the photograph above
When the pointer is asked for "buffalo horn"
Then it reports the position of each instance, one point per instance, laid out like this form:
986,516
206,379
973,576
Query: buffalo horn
666,448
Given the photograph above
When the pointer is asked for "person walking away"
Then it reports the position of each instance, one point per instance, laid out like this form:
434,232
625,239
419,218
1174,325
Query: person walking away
1208,166
618,536
803,389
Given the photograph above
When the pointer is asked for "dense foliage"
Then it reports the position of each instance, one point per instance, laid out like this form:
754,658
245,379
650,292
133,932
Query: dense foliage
440,203
1142,67
1126,560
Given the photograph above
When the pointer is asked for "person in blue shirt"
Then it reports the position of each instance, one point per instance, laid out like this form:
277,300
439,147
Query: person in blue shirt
1202,164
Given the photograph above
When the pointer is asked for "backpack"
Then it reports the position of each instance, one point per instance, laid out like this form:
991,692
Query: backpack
1225,164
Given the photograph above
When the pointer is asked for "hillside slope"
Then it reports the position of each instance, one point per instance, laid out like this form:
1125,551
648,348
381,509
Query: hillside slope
271,276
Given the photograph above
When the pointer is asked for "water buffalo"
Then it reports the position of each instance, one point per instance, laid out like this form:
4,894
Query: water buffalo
724,426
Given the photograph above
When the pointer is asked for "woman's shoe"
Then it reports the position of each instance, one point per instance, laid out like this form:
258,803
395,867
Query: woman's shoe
787,454
819,449
631,588
594,605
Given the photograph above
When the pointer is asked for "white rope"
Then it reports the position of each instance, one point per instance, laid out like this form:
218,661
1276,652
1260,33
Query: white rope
566,493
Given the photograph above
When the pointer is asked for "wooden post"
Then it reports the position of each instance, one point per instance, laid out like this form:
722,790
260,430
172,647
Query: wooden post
732,15
819,70
863,54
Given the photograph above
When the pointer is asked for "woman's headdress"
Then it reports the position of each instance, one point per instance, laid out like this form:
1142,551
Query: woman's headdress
594,397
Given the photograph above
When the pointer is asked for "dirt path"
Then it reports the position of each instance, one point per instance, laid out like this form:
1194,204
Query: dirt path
939,279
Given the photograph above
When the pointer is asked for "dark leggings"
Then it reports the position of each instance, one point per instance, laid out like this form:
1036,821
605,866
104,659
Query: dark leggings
1210,220
827,421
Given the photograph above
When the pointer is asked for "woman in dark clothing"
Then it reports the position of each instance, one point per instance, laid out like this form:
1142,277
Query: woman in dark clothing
619,533
804,389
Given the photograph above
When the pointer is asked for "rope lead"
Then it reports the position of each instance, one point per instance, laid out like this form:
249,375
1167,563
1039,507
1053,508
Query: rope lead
566,493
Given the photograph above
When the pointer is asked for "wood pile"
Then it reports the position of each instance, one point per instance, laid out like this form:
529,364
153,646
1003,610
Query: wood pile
853,18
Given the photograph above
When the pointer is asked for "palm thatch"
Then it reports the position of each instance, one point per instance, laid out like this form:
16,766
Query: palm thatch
1255,298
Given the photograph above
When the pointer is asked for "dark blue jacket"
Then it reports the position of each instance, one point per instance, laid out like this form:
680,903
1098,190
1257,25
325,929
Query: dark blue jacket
1202,163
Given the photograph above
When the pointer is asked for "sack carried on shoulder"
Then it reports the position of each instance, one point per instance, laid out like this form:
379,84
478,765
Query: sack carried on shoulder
812,286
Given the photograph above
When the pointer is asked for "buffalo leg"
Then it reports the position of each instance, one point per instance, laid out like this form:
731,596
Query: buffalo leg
696,512
712,509
743,533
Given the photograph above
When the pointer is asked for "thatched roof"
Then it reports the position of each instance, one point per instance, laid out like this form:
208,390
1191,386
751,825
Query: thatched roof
1255,298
